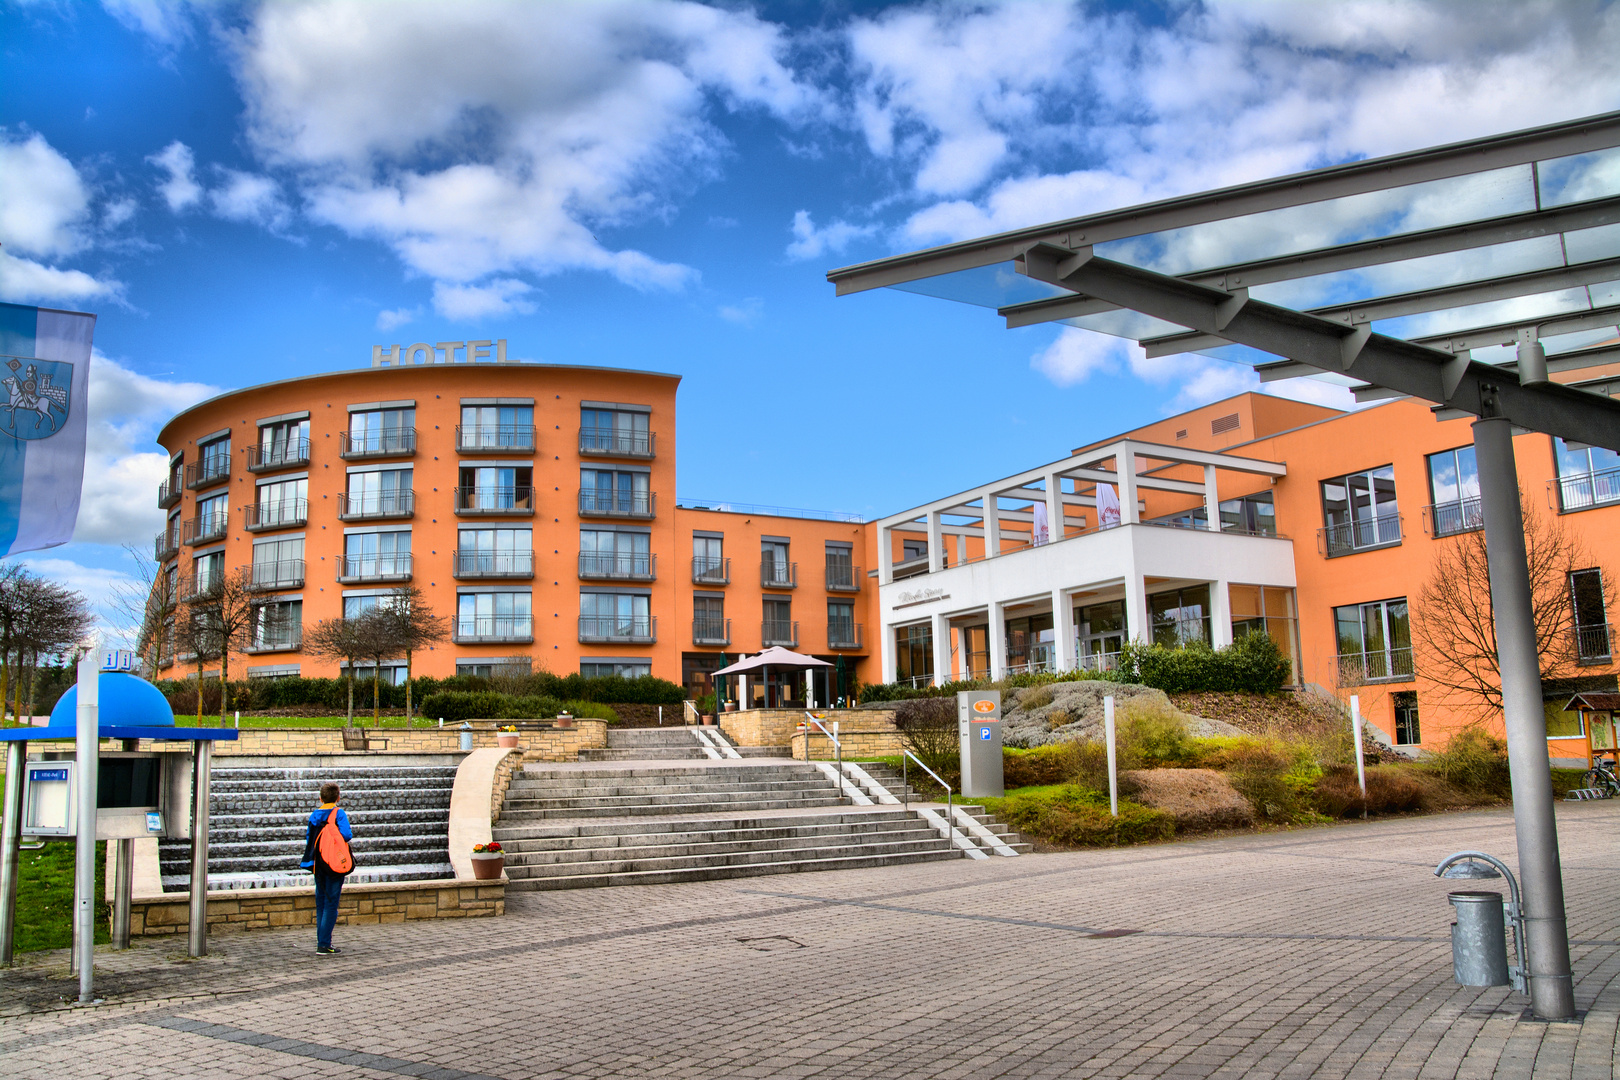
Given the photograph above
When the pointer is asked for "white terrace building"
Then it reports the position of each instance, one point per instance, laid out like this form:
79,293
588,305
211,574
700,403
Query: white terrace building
1064,562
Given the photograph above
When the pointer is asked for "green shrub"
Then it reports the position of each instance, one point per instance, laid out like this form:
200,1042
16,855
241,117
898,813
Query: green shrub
705,704
1475,763
454,706
1038,698
1078,817
1279,779
1152,735
1043,765
1252,662
1390,790
927,726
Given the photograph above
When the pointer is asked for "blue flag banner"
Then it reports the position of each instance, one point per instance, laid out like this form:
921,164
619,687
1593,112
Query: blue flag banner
44,399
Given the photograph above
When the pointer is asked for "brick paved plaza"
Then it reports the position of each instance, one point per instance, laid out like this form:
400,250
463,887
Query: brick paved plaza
1321,952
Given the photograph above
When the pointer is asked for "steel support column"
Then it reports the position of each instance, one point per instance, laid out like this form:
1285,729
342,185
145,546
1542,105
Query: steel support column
1552,993
10,841
197,928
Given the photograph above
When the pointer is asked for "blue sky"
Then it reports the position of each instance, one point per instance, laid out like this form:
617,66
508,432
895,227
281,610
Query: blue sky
245,192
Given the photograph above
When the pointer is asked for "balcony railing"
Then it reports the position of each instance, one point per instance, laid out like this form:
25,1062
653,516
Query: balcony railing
633,444
206,527
1449,519
214,469
711,631
618,567
356,568
843,577
843,634
281,574
601,502
280,639
199,586
280,514
167,544
1391,665
377,505
384,442
1582,491
1360,535
779,632
471,629
517,500
494,438
634,629
1103,661
708,571
278,456
1593,644
779,575
168,493
494,564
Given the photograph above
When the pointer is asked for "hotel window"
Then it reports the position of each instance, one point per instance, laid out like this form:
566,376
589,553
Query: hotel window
1360,511
606,491
498,616
1258,609
841,630
377,555
493,427
1407,732
1587,477
614,431
380,494
277,625
1255,515
208,572
285,442
911,550
914,654
1591,609
1180,617
841,566
279,564
285,503
382,431
497,488
606,553
212,516
495,552
621,669
1100,634
615,615
709,619
775,571
214,459
777,626
708,560
1375,642
1454,489
356,606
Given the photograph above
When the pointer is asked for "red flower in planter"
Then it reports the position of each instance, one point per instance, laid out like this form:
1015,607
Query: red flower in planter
493,847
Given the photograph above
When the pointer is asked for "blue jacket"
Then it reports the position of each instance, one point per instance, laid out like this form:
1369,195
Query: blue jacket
317,819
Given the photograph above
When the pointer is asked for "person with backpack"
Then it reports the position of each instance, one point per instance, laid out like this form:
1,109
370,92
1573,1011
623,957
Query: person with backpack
326,852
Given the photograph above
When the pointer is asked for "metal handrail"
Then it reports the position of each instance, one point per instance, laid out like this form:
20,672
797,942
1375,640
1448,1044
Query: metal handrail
692,716
838,750
905,782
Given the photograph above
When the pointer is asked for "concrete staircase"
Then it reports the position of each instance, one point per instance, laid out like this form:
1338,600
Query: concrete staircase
547,793
673,743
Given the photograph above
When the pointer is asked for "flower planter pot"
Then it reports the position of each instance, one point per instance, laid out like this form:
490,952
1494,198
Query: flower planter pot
488,867
507,740
731,706
708,721
565,721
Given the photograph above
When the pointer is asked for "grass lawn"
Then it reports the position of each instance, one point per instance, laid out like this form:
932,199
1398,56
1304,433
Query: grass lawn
360,720
45,897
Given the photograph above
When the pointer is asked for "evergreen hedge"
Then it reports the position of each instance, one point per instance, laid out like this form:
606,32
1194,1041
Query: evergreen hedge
297,692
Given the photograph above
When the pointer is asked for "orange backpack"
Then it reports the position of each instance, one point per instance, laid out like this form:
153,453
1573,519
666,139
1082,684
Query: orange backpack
333,849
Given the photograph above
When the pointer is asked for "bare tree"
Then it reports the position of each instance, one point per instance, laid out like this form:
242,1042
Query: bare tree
218,619
377,635
345,641
38,618
414,625
145,604
1453,624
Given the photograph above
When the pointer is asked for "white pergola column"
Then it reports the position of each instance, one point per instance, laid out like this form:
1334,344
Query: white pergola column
1125,461
885,557
998,641
887,655
942,649
1063,631
992,525
1220,614
1136,609
1212,500
936,542
961,548
1054,507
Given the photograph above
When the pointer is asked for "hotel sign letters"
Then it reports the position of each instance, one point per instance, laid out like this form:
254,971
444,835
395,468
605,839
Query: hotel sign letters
920,596
440,352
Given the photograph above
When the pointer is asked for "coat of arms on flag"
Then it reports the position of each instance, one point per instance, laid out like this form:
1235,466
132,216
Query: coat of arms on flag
38,397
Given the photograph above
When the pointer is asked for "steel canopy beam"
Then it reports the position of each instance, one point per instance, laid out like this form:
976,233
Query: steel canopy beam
1385,249
1578,360
1356,178
1325,345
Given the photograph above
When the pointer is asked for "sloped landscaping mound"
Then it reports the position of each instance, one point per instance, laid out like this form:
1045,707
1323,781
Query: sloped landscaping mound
1198,799
1064,711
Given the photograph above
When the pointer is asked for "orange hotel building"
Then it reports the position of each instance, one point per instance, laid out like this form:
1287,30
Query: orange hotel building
535,505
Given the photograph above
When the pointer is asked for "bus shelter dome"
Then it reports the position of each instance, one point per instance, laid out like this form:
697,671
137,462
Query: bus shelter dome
126,701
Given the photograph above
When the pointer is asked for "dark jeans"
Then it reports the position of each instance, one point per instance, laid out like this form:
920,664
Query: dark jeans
328,887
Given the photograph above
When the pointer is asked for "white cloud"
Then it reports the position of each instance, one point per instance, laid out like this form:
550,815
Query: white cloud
575,117
43,203
810,242
744,313
249,198
389,320
1075,355
24,280
121,476
498,297
117,212
99,585
166,22
181,189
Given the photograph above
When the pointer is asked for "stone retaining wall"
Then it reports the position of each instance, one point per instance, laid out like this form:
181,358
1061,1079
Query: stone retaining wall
777,727
868,743
263,909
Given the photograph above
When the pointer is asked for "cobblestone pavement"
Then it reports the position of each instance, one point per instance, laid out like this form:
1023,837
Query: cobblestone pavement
1320,952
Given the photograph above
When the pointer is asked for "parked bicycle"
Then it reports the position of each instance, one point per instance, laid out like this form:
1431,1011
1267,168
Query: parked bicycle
1602,777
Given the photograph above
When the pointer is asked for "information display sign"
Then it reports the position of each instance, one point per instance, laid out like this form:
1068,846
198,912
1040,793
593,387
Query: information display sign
48,802
978,720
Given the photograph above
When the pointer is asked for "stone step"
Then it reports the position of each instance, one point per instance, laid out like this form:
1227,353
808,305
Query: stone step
646,753
630,788
279,879
833,848
653,809
712,770
653,736
362,858
371,786
715,873
698,801
334,772
727,822
719,844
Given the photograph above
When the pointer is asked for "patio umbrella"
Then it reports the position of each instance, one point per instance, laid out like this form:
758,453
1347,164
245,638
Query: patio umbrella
841,673
776,657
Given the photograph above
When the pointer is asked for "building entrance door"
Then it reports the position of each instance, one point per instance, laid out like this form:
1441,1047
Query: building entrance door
1100,631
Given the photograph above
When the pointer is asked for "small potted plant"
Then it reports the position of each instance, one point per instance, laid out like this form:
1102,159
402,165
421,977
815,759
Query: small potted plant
565,720
507,737
489,861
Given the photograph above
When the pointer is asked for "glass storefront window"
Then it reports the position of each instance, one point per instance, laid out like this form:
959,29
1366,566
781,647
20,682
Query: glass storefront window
1180,617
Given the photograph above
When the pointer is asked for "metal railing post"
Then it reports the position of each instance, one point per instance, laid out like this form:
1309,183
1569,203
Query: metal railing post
10,839
197,928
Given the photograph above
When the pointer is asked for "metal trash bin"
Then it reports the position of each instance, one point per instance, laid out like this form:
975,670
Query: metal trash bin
466,741
1479,939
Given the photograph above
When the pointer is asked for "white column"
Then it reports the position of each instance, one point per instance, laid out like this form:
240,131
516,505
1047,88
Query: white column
1063,631
1220,614
998,641
885,555
744,699
886,653
936,542
1125,461
942,649
992,526
1136,609
1054,507
961,548
1212,500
